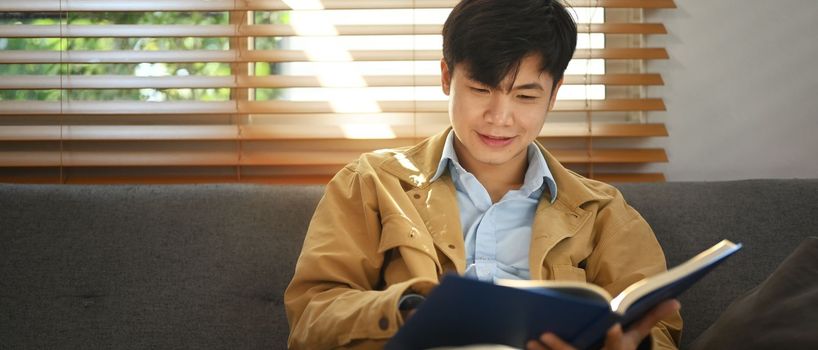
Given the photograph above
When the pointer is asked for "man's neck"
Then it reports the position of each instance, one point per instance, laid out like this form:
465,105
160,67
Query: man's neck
497,179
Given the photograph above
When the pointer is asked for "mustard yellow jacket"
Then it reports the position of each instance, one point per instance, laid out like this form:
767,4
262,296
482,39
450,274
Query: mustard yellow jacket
383,228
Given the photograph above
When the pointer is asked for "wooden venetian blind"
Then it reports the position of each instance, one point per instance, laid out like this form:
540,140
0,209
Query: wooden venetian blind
282,91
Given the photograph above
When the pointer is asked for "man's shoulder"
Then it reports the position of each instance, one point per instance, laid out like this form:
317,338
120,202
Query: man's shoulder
372,161
407,163
589,189
605,200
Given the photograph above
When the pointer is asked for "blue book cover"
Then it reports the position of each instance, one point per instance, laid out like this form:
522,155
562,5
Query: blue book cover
462,311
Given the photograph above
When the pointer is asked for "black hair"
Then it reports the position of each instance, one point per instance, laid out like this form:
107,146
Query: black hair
491,37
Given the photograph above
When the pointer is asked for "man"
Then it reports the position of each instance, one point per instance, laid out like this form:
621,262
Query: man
482,198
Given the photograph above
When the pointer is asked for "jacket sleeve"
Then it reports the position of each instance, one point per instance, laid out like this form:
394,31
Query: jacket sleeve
333,299
627,251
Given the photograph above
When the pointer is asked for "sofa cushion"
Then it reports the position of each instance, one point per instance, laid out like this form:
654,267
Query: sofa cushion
781,313
770,217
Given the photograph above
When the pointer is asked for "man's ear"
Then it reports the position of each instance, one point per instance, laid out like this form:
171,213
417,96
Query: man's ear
553,98
445,77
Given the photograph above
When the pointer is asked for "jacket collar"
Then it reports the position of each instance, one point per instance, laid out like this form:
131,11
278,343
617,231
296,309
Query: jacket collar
417,165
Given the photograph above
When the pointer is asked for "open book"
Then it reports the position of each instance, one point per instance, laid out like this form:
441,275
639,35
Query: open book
462,311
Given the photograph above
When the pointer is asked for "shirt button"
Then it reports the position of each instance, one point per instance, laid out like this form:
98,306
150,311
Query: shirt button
417,196
383,323
451,246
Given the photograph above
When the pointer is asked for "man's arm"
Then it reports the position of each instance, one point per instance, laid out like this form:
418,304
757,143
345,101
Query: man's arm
627,252
332,300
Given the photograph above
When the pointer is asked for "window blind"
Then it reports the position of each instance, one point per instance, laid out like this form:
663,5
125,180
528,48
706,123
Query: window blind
185,91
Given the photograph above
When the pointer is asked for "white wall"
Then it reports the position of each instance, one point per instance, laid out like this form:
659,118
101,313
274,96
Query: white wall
741,89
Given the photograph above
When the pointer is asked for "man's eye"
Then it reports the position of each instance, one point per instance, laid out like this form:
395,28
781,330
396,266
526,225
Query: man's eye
479,90
526,97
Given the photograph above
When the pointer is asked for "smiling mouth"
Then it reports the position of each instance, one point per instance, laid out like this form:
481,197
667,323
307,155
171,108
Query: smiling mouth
495,141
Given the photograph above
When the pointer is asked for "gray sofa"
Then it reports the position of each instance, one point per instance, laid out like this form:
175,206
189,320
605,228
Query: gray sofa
205,266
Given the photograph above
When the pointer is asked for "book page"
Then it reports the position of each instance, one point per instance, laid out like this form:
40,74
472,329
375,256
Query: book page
577,289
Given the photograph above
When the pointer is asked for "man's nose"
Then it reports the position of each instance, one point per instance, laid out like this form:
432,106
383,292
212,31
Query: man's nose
499,109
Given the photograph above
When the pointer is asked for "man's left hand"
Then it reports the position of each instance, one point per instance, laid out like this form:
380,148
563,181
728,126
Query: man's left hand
615,339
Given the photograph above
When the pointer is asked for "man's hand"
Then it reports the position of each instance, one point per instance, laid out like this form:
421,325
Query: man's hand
615,339
408,303
406,314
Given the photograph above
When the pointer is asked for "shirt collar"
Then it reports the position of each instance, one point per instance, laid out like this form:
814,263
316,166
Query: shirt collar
448,154
537,172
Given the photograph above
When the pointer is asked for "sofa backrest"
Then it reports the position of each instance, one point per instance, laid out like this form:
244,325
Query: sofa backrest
770,217
148,267
205,266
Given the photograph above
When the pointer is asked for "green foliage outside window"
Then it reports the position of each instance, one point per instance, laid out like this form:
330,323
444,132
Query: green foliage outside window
268,43
126,44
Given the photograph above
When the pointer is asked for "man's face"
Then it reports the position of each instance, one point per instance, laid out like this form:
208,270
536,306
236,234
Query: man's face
494,126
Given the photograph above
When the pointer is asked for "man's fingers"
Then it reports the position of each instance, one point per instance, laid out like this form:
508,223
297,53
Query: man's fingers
534,345
642,327
553,342
613,340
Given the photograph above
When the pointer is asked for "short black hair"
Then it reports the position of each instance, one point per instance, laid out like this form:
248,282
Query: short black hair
493,36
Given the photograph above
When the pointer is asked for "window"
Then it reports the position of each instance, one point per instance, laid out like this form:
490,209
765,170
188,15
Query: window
282,91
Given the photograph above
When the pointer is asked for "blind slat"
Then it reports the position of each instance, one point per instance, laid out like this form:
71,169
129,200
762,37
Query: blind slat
279,56
20,56
442,106
615,79
34,82
39,82
610,156
115,31
275,5
243,107
104,5
306,131
622,28
158,31
209,158
31,159
116,107
573,130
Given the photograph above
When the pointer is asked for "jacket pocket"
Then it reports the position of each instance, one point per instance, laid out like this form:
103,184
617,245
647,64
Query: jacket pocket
568,273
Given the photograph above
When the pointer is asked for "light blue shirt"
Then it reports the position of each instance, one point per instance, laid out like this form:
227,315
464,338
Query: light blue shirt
497,235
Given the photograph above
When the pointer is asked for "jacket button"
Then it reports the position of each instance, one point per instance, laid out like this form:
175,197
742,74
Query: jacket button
383,323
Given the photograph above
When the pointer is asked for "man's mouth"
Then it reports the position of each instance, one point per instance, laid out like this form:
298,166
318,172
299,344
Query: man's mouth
495,140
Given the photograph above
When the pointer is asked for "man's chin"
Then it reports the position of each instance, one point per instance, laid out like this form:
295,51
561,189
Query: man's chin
494,161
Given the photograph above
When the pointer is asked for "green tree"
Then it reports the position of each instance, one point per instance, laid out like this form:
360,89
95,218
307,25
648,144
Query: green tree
148,68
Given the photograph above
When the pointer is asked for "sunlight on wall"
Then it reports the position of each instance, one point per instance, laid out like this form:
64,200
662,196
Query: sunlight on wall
329,48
